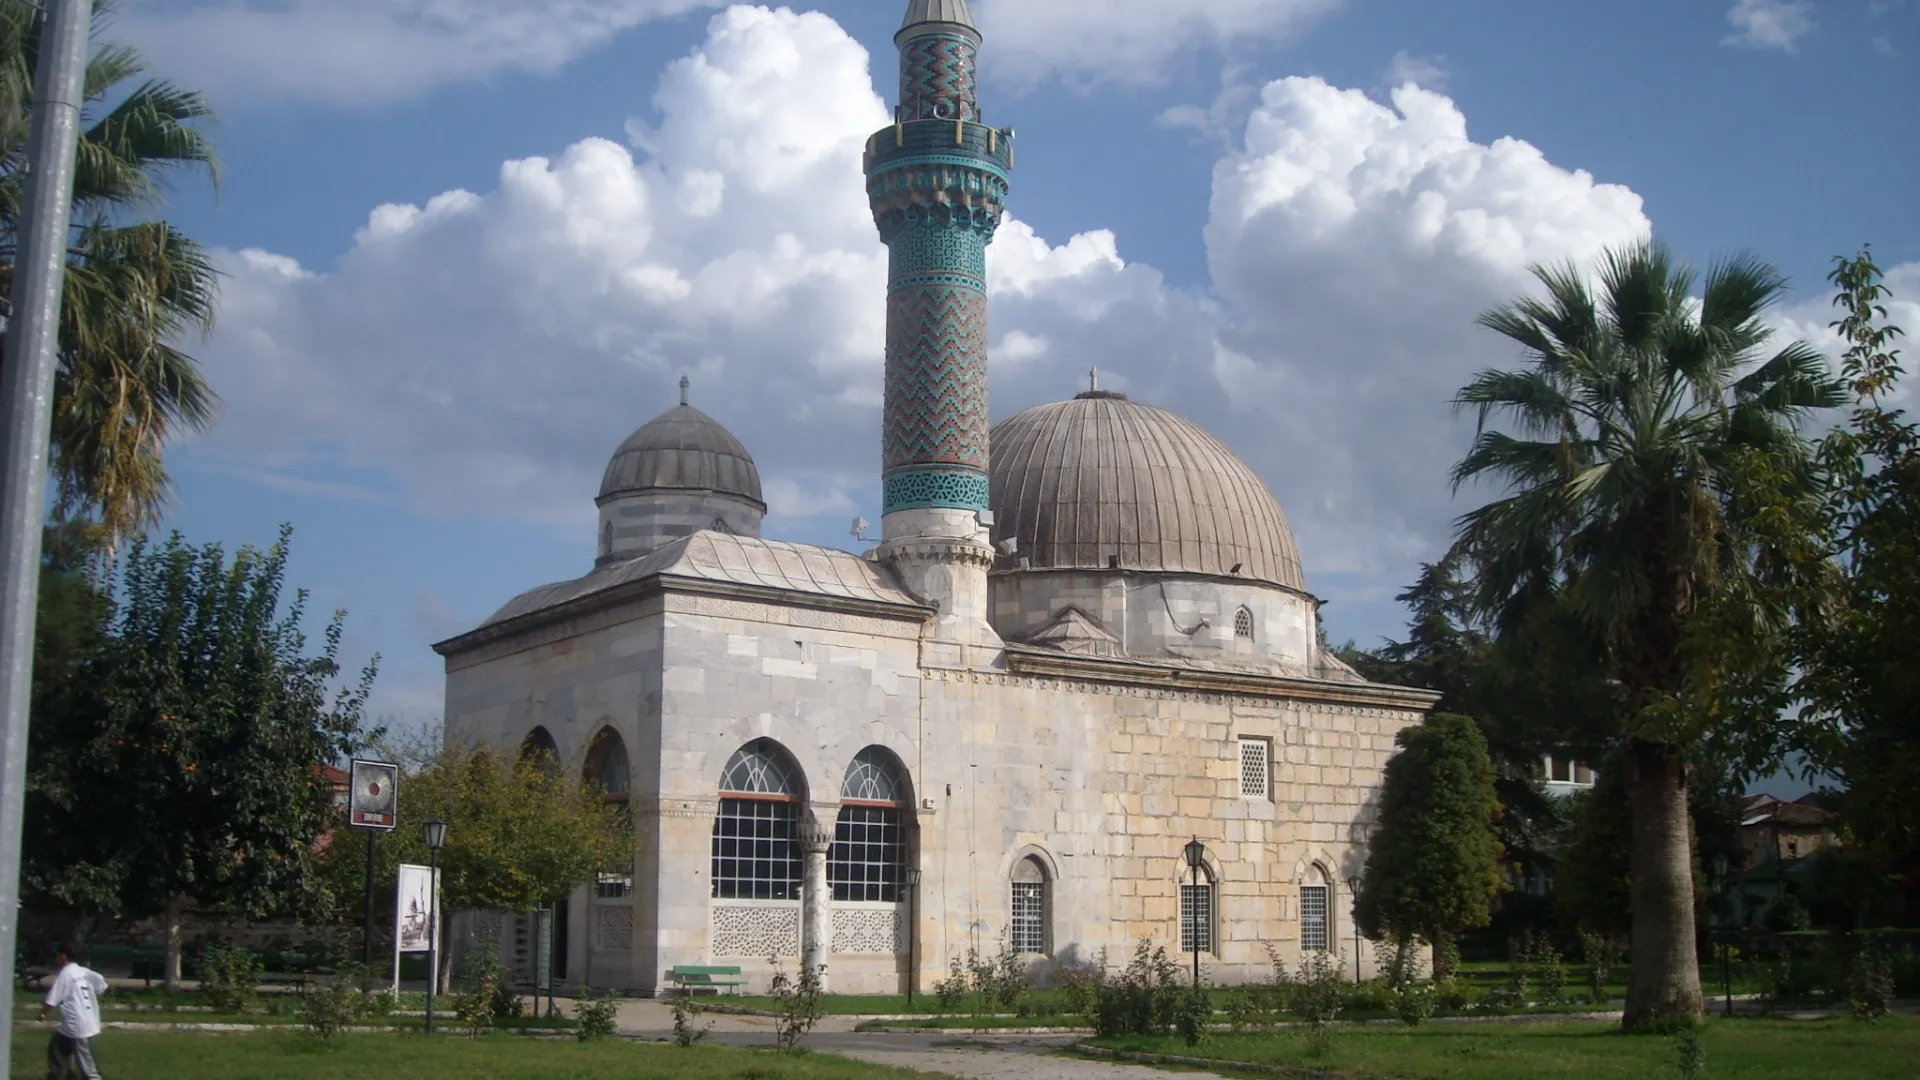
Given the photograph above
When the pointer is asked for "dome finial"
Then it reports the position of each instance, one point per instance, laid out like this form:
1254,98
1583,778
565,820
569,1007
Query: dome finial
685,385
1093,380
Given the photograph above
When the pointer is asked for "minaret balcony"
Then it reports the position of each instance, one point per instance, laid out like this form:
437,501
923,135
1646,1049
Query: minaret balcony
951,142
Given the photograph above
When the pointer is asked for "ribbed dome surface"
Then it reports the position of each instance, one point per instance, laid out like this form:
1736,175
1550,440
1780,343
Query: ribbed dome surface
1078,482
682,449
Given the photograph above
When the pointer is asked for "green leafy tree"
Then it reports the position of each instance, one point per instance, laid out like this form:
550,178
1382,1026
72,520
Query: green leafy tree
1863,670
180,760
1433,869
1653,442
134,288
523,833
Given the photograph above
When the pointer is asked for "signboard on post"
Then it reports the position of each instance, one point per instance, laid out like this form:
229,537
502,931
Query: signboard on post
415,906
543,950
413,910
373,803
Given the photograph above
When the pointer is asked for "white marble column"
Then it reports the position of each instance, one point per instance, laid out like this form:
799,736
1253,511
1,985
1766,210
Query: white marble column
815,911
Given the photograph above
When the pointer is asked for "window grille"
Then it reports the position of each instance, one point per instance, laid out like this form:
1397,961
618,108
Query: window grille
1196,918
1243,625
871,778
1313,918
756,855
612,886
868,861
1029,931
1254,781
757,769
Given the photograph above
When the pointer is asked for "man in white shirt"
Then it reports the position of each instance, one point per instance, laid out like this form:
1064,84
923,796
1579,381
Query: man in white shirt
76,993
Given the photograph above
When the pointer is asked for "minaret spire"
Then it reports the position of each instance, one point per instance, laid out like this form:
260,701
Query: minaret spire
937,179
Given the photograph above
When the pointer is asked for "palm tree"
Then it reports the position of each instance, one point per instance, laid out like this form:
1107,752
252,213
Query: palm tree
133,287
1636,424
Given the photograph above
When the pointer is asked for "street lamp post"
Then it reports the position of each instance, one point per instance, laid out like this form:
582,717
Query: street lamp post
1196,858
1353,890
913,932
436,838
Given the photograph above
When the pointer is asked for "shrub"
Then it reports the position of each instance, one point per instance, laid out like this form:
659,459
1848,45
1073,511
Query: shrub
331,1005
1597,954
1872,983
952,990
688,1032
1414,1003
1144,998
1192,1015
799,1005
1080,990
596,1016
229,978
481,979
1693,1056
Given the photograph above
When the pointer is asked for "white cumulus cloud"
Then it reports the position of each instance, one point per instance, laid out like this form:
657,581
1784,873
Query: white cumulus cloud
1087,42
1354,243
360,52
488,350
1769,24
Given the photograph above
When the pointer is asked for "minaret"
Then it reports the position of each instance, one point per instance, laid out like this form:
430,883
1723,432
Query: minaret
937,179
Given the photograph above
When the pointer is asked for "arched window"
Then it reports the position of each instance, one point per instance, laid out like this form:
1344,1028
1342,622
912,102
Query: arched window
538,749
606,538
1196,913
1243,625
607,766
868,860
1027,929
756,854
1316,908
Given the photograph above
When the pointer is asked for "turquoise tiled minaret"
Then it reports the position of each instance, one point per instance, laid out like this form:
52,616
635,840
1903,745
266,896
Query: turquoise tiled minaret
937,179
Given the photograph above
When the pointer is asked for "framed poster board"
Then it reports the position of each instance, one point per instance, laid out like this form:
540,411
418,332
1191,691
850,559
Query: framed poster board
373,802
413,910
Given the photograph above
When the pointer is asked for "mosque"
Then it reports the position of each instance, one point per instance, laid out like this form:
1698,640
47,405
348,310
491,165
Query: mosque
1083,641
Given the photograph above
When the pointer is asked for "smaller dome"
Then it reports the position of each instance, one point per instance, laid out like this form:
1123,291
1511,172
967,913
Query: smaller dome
682,449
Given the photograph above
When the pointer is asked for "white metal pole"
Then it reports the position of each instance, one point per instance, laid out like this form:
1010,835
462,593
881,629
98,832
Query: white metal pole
26,416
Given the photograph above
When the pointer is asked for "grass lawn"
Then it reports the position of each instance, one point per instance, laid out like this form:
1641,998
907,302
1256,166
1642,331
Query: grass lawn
1735,1050
287,1056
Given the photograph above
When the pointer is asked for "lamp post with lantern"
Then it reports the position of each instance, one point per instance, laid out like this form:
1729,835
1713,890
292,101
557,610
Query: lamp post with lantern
1196,859
436,830
913,932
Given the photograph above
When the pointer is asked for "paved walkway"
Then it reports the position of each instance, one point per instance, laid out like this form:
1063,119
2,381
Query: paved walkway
970,1057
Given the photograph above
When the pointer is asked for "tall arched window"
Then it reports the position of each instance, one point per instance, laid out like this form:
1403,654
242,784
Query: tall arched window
1027,929
868,860
756,855
1316,912
1243,625
539,749
607,765
1196,913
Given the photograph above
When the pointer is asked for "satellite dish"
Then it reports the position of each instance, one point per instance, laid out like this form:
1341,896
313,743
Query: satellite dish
860,527
1009,546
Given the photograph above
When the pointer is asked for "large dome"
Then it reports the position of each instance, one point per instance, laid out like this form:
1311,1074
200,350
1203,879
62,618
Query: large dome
683,449
1080,482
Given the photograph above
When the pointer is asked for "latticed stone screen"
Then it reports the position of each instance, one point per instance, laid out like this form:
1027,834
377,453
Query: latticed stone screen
1196,918
1313,918
869,931
613,928
1254,757
758,932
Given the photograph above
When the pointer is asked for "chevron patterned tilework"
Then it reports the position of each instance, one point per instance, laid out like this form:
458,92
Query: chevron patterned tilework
938,75
936,404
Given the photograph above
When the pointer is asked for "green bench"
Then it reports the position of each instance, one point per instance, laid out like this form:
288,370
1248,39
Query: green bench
692,979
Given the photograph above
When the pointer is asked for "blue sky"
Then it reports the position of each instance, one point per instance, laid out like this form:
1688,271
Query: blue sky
471,244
